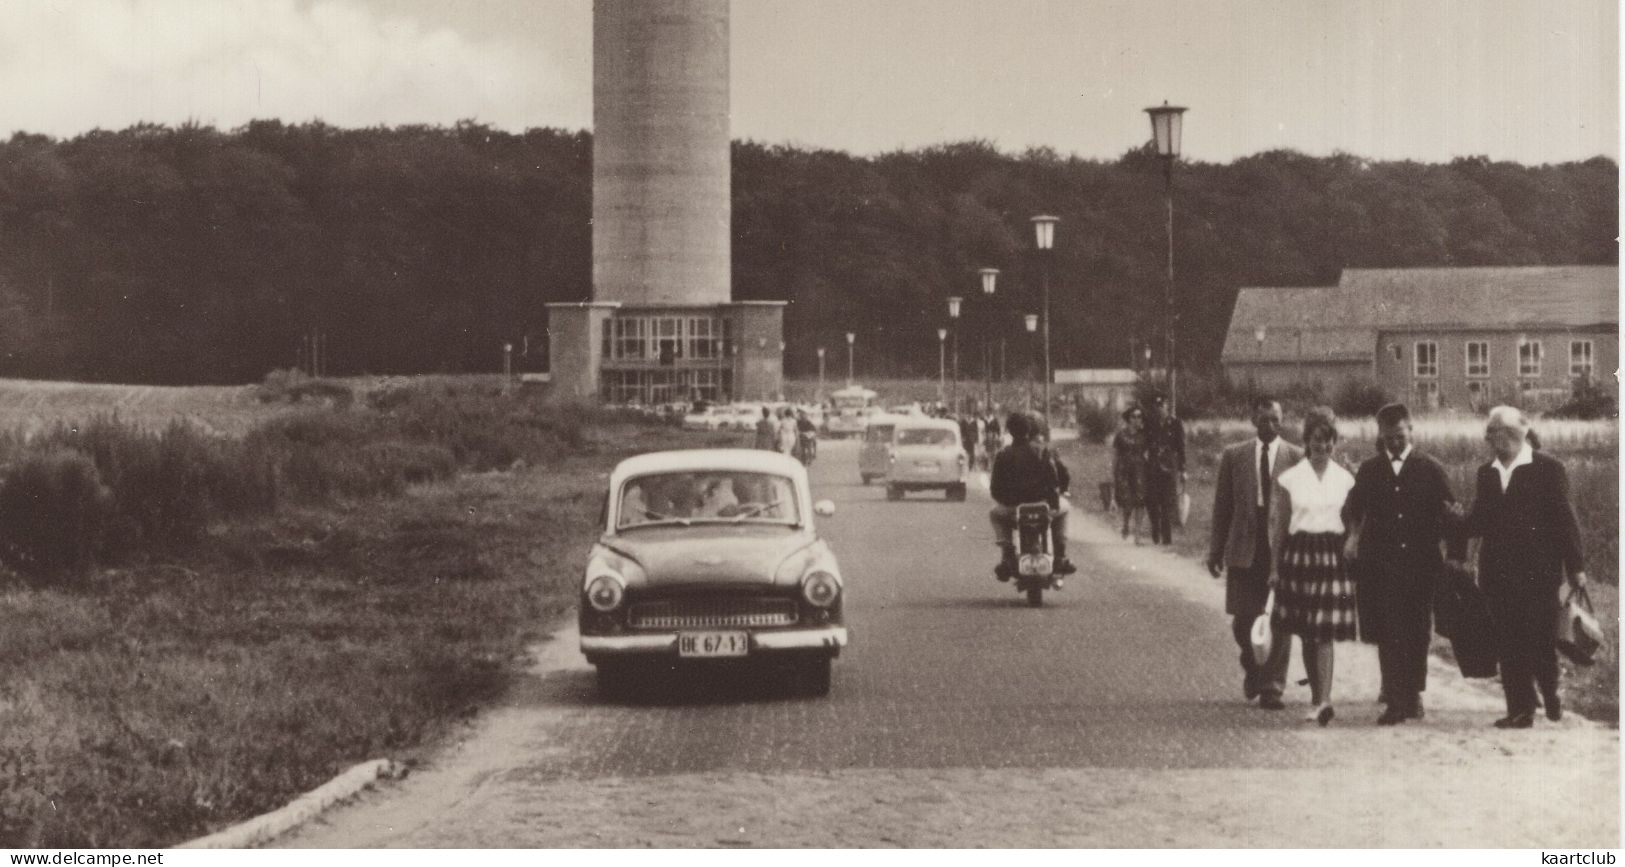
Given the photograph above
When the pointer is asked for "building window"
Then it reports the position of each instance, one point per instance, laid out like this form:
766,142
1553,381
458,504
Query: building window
606,345
1399,352
1478,393
1581,364
631,335
1427,358
1427,393
703,337
1529,356
1478,358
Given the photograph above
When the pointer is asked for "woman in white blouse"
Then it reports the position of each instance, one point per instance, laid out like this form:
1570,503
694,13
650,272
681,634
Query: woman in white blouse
1314,597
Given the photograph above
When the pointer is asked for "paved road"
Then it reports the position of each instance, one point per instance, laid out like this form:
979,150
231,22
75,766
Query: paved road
960,716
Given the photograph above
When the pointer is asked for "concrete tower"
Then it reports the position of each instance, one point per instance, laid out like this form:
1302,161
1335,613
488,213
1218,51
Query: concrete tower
660,161
661,326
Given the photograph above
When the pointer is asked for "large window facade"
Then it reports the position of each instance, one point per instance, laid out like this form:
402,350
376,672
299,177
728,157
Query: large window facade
1478,359
1427,359
1529,357
665,340
652,387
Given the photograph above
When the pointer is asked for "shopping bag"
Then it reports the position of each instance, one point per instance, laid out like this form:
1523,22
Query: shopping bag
1461,614
1183,512
1263,637
1579,635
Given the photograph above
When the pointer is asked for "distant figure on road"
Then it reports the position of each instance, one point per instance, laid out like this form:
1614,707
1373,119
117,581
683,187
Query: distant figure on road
1397,517
788,434
1128,469
767,431
1164,469
1521,509
1314,598
1240,544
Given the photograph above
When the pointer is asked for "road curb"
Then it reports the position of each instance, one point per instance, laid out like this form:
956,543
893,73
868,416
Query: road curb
301,810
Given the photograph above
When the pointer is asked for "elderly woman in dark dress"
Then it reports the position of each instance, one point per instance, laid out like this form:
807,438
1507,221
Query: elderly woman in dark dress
1128,469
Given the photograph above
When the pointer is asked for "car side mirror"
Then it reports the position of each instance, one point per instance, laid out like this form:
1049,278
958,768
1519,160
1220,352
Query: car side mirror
824,508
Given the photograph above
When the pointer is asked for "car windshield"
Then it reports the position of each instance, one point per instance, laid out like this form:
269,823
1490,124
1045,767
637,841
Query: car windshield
710,496
925,436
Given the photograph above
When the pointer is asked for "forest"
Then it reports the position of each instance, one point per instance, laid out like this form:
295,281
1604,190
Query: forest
190,255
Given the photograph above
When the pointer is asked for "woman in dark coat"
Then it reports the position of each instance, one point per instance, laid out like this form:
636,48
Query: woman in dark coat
1128,469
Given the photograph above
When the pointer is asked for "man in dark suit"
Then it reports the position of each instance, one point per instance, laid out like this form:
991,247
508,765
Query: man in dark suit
1531,541
1240,544
1397,515
1164,468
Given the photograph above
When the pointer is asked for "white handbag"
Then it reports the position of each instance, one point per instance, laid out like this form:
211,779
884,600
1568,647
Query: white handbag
1263,637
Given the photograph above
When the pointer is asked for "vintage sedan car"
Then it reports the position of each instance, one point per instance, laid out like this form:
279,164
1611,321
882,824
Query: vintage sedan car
926,455
711,556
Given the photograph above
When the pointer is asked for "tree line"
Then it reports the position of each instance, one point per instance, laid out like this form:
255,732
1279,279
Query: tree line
192,255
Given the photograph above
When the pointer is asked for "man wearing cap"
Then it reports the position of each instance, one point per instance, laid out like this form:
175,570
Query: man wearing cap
1398,514
1164,469
1240,544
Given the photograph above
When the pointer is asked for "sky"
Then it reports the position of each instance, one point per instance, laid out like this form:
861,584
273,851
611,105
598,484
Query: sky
1525,80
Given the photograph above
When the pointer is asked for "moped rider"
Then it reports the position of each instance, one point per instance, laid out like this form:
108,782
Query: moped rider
1026,472
807,437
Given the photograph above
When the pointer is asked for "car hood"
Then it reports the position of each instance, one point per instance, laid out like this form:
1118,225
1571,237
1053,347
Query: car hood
710,555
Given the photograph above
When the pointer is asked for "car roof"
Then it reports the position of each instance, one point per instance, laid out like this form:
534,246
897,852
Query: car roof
925,421
697,460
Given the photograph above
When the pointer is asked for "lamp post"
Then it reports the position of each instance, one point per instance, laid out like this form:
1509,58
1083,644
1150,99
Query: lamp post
820,374
990,279
1031,319
1166,130
1044,236
849,338
942,364
954,303
1258,337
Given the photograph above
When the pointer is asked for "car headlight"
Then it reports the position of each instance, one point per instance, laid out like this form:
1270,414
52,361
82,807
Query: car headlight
605,592
820,589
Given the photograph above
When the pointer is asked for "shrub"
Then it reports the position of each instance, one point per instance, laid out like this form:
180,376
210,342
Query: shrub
1588,399
53,514
293,386
1095,421
1360,397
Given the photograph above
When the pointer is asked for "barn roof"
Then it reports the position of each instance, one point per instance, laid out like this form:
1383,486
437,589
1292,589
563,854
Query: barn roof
1341,322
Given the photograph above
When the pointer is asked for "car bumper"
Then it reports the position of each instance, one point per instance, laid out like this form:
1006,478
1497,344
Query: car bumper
831,638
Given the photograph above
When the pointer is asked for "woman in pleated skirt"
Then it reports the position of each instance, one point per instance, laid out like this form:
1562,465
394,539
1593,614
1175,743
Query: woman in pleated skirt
1314,596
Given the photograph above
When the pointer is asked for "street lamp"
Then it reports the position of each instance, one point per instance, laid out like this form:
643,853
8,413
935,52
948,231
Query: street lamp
1167,130
849,338
1044,231
1031,320
942,363
820,374
990,278
954,303
1258,337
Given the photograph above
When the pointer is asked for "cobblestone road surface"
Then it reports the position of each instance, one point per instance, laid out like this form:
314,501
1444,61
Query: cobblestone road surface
959,716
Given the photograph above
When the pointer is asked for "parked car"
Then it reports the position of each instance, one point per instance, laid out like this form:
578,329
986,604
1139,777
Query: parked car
926,455
710,418
876,454
711,557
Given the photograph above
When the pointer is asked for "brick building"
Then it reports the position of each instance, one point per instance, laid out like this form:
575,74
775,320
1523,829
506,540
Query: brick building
1436,337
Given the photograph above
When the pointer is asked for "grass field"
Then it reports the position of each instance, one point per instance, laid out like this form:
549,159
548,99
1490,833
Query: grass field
166,698
1589,450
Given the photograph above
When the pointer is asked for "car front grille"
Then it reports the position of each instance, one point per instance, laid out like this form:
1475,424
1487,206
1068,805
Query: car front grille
711,613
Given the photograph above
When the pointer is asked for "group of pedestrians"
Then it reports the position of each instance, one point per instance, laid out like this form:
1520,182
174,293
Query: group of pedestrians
1148,469
791,433
1334,556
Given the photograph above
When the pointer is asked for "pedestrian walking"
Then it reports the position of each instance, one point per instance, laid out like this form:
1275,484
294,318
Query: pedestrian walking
1128,469
1531,542
1397,516
1164,469
1239,545
767,431
1314,596
787,432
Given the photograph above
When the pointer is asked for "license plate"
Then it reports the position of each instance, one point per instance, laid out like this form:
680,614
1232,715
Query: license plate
928,466
713,644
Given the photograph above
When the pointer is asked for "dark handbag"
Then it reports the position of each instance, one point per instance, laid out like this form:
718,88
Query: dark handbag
1579,635
1461,614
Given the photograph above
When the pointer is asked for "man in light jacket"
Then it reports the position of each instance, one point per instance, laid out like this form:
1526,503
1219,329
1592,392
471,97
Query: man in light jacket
1240,544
